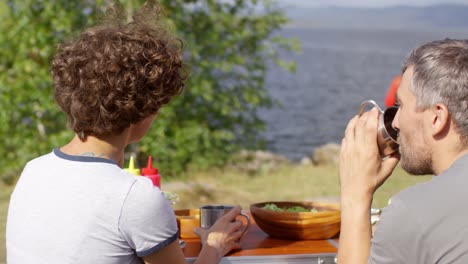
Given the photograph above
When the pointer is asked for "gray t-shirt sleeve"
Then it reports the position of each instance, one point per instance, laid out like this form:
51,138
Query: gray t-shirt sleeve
397,238
147,220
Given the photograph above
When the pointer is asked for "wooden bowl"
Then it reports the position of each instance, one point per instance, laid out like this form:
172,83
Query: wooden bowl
323,224
187,219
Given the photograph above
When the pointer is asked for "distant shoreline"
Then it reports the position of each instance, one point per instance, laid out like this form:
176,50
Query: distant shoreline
452,17
308,24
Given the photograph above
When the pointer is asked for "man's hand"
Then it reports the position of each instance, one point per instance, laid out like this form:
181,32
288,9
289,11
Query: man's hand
362,170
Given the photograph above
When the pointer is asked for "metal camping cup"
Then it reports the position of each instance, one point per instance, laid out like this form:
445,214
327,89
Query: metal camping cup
386,134
210,213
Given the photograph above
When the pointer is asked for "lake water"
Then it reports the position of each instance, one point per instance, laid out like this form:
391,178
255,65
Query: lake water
336,71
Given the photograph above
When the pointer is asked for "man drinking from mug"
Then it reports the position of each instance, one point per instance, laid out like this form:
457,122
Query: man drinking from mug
425,223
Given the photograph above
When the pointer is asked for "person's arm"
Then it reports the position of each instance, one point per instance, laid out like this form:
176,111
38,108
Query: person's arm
217,241
362,171
221,238
172,253
355,234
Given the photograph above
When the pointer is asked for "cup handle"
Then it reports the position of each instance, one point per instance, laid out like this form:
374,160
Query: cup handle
365,103
248,223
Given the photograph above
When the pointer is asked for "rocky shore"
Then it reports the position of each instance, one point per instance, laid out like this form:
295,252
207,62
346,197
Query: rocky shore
261,161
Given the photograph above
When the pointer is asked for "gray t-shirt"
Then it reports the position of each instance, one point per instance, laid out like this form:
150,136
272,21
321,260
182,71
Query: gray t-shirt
426,223
72,209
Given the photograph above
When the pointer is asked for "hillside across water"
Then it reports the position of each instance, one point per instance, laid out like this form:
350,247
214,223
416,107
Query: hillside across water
398,17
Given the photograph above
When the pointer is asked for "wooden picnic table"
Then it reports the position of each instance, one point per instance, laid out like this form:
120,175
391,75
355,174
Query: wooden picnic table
259,247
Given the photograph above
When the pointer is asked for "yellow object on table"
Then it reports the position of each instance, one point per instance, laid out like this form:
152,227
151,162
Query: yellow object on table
187,220
131,167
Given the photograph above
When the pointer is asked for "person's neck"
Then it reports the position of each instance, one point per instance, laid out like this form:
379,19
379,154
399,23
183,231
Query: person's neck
446,153
111,147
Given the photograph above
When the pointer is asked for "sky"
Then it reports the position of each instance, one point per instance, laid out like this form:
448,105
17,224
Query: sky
367,3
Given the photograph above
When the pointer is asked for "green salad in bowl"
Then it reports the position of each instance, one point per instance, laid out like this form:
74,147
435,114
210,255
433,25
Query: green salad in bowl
291,209
297,220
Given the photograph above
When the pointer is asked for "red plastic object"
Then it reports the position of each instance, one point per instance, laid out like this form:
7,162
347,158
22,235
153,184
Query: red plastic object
151,173
390,98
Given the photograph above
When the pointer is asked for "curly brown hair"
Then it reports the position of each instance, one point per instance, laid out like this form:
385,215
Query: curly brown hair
116,74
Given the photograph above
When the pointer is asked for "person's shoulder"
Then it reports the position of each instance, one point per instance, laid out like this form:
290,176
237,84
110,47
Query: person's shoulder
144,188
398,233
459,166
41,159
423,192
407,210
141,182
413,194
146,202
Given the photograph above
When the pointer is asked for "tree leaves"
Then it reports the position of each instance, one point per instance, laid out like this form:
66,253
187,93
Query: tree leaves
227,46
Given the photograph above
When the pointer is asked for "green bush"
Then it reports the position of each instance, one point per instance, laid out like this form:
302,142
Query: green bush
227,46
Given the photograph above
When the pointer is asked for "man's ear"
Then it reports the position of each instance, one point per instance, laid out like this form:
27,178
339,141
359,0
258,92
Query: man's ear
440,119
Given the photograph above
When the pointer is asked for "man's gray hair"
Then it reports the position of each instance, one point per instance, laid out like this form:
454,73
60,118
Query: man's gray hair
440,75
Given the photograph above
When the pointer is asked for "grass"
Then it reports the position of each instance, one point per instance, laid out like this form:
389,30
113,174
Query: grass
291,183
5,192
287,183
